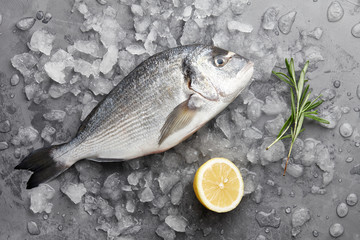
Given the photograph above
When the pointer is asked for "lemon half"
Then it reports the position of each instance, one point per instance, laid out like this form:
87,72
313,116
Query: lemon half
218,185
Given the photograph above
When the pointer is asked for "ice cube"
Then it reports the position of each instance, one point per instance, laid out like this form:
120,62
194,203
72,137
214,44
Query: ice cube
135,49
88,170
323,159
111,189
191,33
47,133
234,26
269,19
274,104
176,193
55,115
109,60
3,146
134,177
318,190
32,90
257,195
253,133
90,47
90,204
286,21
327,94
316,33
254,109
41,41
25,63
177,223
26,136
295,170
57,90
126,62
221,39
83,67
5,126
268,219
274,153
87,109
165,232
100,86
300,217
146,195
190,154
39,198
238,6
332,114
167,181
273,126
335,12
223,122
74,191
130,206
25,23
106,210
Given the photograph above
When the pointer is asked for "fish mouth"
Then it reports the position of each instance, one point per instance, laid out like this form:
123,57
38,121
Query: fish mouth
247,71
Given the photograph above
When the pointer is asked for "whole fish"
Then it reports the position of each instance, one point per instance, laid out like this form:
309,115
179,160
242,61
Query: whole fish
160,103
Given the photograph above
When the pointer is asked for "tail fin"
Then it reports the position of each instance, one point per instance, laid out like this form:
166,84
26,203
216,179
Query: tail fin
44,166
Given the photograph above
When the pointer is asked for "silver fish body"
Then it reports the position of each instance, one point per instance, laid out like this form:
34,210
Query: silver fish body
159,104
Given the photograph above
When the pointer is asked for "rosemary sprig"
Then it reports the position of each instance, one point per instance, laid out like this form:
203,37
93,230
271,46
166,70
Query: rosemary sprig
301,107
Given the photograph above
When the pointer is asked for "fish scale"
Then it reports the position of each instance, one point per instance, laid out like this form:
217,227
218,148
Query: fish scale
159,104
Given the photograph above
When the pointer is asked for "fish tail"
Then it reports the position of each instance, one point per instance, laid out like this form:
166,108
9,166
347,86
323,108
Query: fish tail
43,165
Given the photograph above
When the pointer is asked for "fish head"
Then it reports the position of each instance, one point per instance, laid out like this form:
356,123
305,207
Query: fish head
224,74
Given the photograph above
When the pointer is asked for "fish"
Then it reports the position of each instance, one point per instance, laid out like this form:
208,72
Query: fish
162,102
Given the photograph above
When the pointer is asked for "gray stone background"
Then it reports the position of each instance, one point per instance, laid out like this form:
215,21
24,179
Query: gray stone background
120,206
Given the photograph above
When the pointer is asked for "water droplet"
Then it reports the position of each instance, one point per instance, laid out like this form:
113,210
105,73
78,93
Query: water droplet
336,230
221,185
60,227
356,109
337,84
222,231
248,3
357,144
226,180
340,150
288,210
267,230
315,233
327,217
346,130
342,210
276,32
292,194
358,91
348,94
63,215
352,199
349,159
45,216
316,175
340,180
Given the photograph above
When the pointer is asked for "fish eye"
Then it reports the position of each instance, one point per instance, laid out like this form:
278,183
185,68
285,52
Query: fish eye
220,61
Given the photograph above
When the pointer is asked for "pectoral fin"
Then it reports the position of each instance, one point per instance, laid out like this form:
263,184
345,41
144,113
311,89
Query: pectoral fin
180,117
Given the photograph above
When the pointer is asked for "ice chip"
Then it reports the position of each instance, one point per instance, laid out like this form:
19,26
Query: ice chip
167,181
316,33
5,126
32,90
41,41
165,232
234,26
100,86
221,39
252,133
274,104
273,154
335,12
57,90
177,223
332,114
47,133
238,6
3,146
39,198
87,109
254,109
137,10
286,21
300,217
74,191
14,80
83,67
257,195
176,193
126,62
293,169
90,47
109,60
26,136
223,122
134,177
191,33
25,63
111,189
135,49
273,126
55,115
146,195
269,19
25,23
268,219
